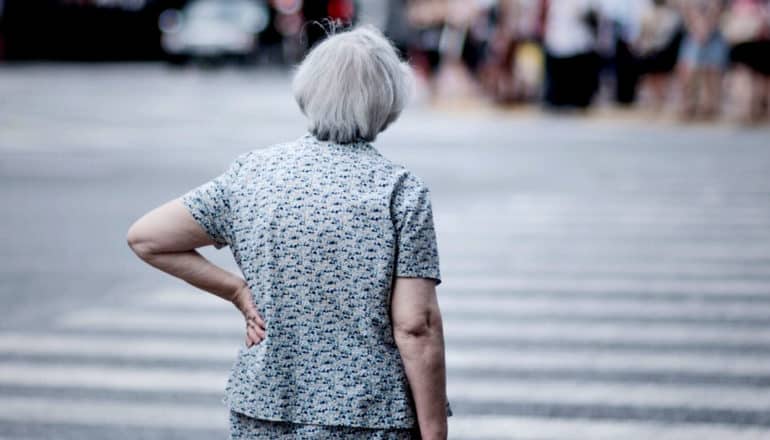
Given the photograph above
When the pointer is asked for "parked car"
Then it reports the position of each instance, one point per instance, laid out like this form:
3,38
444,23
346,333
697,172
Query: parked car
213,30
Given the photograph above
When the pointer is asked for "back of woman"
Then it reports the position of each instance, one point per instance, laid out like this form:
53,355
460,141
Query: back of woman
314,227
338,253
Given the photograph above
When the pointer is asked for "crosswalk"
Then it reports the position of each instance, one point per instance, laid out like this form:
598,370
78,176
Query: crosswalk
519,365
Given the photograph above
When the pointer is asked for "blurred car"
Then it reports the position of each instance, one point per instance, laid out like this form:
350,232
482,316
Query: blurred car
213,29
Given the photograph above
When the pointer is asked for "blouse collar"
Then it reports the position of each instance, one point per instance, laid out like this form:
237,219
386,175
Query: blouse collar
308,136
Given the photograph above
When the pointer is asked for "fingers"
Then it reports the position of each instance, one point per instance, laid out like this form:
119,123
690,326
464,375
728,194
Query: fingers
254,332
255,325
253,315
252,338
260,330
250,342
259,320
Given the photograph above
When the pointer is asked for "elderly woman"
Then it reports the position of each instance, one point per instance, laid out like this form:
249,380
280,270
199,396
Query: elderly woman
337,246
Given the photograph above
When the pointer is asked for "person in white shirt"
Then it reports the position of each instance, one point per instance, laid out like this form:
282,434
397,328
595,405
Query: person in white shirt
572,65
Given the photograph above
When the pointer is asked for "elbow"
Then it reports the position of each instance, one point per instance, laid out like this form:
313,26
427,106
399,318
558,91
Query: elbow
427,325
139,242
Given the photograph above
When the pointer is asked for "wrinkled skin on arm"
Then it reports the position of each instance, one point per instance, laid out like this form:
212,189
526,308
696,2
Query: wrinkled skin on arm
419,335
167,238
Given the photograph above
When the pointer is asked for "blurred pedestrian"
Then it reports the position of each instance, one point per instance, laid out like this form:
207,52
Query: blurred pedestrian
2,30
343,330
512,71
427,19
397,27
702,58
747,28
477,19
657,48
572,64
271,39
619,28
462,48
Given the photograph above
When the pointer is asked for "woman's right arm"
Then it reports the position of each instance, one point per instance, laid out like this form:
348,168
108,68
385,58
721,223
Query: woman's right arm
419,335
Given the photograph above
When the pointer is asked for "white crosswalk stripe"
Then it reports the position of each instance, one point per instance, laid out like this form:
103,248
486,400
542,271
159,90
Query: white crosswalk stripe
614,267
614,285
523,428
523,306
114,378
456,327
195,349
107,412
475,389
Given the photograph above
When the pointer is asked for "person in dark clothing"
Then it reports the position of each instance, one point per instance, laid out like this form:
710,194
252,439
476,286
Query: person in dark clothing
657,48
572,63
397,27
747,30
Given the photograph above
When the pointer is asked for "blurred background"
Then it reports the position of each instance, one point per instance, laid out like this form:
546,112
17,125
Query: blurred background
600,175
697,59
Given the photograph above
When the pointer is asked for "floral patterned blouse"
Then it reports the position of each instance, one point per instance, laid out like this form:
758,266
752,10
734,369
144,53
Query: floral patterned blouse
319,231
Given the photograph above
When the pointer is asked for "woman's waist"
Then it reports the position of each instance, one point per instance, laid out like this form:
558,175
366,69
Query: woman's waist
300,349
325,385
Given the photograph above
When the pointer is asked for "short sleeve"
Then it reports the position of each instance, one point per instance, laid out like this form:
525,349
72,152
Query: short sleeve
416,247
210,203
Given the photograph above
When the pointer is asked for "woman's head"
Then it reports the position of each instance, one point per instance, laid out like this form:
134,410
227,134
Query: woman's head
352,86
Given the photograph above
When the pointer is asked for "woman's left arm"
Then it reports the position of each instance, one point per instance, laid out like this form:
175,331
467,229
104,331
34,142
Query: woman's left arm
167,238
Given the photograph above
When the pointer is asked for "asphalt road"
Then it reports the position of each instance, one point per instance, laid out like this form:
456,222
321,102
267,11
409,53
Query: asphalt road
603,277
